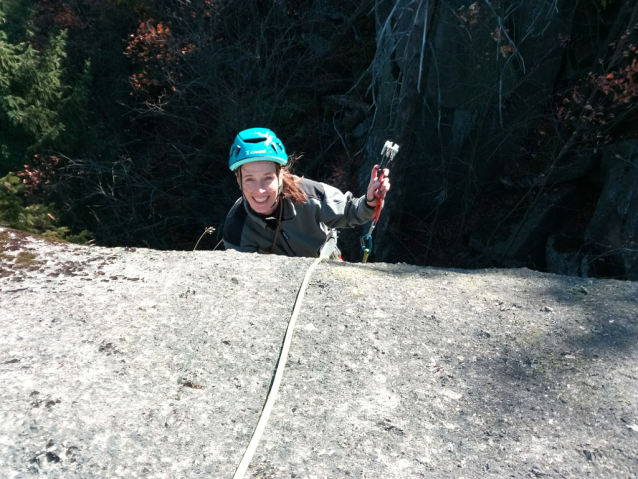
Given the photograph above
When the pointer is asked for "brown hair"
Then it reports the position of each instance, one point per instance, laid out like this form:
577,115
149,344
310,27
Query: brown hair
291,188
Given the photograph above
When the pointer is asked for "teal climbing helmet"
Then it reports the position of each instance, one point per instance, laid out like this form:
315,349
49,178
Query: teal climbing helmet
256,144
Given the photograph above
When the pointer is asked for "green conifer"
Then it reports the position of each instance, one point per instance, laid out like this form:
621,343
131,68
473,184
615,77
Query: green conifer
34,95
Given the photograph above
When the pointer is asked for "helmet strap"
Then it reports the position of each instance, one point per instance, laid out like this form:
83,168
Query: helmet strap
280,179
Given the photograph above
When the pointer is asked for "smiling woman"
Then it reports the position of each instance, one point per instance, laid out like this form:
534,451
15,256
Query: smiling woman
281,213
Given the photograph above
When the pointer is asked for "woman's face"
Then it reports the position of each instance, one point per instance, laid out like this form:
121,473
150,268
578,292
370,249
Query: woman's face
260,184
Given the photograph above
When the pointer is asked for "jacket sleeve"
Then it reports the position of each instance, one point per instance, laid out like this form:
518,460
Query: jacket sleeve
339,210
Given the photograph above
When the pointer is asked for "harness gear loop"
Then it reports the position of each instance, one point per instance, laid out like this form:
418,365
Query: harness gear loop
388,153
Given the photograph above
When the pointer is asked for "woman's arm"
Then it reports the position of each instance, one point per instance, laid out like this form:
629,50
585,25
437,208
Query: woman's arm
339,210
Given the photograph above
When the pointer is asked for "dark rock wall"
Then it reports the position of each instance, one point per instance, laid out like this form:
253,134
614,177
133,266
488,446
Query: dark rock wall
491,105
614,227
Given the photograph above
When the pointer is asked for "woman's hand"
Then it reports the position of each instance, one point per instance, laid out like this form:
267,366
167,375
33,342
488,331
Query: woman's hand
378,187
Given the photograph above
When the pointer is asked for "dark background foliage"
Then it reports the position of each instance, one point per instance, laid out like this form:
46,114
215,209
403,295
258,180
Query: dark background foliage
516,119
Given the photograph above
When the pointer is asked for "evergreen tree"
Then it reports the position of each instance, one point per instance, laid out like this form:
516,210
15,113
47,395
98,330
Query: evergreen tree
35,100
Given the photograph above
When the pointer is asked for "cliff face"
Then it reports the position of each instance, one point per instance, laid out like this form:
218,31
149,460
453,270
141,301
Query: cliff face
508,127
140,363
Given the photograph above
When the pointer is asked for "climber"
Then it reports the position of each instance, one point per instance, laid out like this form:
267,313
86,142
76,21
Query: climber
281,213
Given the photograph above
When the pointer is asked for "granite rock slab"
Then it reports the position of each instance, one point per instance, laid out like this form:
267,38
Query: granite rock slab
121,362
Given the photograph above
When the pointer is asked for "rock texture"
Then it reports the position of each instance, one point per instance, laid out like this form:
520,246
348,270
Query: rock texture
466,88
614,226
141,363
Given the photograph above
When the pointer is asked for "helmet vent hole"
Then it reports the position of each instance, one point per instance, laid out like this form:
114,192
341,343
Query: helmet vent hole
255,140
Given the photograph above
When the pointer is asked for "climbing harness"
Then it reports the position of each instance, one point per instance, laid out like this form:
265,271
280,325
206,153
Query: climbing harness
387,155
279,372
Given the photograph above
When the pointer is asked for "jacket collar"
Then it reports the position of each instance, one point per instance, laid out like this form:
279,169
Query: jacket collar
289,212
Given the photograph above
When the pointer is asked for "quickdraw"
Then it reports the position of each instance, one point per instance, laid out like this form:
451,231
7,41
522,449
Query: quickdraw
387,155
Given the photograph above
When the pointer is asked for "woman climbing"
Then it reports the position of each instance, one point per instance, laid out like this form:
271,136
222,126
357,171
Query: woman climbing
283,214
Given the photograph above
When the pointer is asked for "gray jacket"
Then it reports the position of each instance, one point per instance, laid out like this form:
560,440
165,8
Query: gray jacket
305,229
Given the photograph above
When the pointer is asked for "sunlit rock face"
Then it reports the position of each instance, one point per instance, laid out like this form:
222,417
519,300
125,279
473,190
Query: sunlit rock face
140,363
